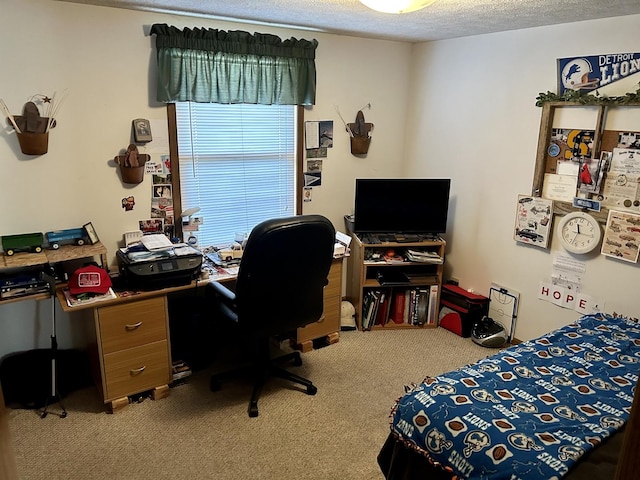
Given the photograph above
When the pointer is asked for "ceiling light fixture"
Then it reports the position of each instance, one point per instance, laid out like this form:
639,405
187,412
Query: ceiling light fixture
396,6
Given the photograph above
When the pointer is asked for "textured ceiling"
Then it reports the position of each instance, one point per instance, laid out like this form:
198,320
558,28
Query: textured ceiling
442,20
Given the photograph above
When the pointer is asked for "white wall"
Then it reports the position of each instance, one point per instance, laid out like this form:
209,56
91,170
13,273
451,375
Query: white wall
462,108
476,121
105,62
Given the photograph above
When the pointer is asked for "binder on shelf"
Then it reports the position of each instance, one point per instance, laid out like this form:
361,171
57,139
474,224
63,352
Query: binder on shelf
383,310
422,302
397,315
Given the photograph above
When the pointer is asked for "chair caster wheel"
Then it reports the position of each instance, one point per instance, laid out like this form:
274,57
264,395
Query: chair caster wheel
312,390
214,385
253,410
43,415
63,415
297,361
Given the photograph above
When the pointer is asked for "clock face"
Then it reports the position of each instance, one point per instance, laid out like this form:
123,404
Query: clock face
579,232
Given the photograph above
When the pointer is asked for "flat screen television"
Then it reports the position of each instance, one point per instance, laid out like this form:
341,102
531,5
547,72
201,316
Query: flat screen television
401,205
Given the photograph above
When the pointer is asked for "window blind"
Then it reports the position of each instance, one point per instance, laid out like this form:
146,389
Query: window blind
237,163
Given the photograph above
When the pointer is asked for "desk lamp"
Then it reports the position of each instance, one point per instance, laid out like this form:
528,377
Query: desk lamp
189,212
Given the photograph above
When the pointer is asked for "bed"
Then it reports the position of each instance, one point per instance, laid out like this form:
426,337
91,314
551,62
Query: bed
549,408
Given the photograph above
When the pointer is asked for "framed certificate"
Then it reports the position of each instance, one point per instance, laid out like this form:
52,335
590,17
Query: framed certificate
91,233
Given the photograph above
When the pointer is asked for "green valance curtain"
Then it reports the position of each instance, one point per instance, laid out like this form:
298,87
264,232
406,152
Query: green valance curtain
216,66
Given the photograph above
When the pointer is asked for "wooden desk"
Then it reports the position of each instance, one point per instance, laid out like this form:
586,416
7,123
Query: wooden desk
132,349
328,327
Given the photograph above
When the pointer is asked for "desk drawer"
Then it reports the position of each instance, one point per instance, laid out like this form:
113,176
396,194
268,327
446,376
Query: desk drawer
132,324
136,370
330,320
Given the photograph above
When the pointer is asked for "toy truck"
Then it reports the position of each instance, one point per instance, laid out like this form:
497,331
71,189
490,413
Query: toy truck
77,236
234,252
24,242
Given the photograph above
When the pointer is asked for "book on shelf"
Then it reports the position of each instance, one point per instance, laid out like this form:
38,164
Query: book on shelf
397,307
369,306
422,301
432,317
382,314
407,306
412,317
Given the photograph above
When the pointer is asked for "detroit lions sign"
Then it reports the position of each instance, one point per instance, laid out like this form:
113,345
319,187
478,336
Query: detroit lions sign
596,71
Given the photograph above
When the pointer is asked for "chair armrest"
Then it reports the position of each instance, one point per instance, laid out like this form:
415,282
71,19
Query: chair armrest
219,289
226,299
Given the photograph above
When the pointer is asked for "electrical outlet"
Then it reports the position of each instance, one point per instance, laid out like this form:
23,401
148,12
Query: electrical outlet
454,281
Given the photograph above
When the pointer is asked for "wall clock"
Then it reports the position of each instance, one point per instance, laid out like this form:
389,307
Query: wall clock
579,232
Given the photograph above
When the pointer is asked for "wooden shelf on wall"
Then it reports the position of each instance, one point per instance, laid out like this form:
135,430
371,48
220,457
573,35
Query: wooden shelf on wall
63,254
66,253
544,139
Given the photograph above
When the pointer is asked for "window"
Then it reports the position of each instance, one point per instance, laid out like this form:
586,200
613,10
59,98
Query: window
237,163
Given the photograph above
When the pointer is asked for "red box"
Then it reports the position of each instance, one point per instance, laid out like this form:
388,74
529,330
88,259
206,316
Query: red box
460,310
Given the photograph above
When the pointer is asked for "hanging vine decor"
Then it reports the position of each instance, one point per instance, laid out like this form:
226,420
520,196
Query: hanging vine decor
584,98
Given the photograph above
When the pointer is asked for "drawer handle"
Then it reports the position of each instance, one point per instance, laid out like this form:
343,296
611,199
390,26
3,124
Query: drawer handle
137,371
133,327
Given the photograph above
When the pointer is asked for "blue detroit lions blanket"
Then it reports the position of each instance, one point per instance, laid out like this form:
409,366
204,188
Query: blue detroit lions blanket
530,411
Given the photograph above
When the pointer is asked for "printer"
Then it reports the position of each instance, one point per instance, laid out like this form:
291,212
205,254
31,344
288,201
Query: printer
152,270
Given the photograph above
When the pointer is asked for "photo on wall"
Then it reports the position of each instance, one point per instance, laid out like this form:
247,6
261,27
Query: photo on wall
533,220
622,236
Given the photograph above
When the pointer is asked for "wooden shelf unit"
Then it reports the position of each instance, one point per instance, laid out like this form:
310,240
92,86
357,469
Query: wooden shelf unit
65,253
362,275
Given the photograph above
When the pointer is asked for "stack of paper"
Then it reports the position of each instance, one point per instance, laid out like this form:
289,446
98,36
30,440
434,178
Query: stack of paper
156,241
424,256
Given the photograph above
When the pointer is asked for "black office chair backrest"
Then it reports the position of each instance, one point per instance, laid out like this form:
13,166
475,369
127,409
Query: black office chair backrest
282,274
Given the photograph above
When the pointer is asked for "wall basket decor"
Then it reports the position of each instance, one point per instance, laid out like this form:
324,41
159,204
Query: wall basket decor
359,135
132,165
33,143
32,128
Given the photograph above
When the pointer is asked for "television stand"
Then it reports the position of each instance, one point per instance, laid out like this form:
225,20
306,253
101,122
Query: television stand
391,287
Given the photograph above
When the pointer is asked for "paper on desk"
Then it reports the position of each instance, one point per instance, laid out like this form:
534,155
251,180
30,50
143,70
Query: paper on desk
341,247
77,300
343,238
156,241
181,249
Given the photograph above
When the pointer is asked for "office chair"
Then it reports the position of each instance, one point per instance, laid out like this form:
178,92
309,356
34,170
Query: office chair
280,287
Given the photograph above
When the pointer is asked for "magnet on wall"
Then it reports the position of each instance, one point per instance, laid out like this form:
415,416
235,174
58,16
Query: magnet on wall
128,203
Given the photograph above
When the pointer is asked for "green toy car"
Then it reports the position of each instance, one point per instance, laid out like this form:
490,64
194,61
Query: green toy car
25,242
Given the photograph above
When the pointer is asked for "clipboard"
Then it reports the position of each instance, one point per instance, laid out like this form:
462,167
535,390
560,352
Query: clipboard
503,307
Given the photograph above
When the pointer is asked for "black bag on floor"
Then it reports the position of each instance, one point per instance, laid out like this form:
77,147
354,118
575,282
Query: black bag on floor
26,376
